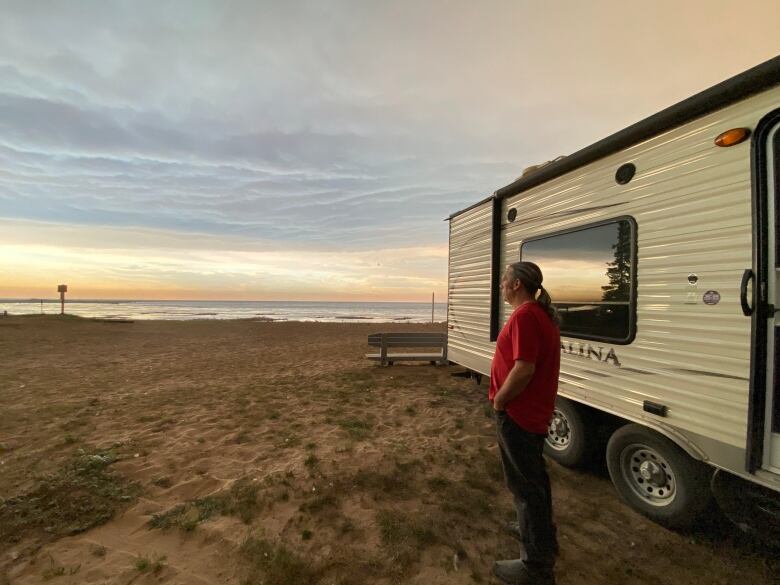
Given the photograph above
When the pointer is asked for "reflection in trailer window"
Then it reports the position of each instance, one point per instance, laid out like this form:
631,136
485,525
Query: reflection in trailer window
589,274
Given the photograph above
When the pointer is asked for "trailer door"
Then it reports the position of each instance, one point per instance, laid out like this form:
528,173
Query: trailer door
760,294
772,425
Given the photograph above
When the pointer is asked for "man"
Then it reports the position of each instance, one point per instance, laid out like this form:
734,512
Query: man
523,386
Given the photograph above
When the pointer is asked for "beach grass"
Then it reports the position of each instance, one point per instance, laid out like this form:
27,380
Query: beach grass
82,493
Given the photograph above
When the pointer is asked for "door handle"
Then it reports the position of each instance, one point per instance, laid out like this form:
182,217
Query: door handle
747,276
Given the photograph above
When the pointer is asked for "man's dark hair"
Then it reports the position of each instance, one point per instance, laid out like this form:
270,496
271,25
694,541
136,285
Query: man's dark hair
531,276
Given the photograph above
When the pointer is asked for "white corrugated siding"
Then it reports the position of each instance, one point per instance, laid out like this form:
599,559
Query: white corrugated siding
468,293
692,204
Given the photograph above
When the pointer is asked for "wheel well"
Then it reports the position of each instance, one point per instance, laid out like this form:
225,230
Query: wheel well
605,423
601,422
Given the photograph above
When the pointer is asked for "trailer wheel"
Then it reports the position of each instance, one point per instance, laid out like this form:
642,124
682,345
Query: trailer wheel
656,477
568,441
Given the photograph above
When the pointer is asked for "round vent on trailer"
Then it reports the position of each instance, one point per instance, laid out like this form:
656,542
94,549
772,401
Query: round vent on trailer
625,173
511,214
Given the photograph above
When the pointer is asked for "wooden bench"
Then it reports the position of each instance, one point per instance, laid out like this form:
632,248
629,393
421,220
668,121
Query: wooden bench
387,341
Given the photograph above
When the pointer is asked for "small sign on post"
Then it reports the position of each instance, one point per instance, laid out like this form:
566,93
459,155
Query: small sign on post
62,289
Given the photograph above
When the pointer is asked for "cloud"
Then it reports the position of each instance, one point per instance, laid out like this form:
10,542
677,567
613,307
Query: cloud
342,126
133,260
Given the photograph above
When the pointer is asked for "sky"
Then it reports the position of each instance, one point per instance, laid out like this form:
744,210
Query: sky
575,264
311,150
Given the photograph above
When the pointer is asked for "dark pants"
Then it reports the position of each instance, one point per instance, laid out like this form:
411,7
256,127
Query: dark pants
526,477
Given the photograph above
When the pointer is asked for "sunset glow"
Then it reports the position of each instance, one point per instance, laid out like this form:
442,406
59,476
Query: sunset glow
301,150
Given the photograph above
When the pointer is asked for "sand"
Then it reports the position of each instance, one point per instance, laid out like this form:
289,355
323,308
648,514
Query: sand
292,459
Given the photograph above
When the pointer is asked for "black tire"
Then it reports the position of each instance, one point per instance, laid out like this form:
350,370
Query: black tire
570,436
657,478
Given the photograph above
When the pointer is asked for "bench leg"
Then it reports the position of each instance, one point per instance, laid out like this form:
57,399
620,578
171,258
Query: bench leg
383,352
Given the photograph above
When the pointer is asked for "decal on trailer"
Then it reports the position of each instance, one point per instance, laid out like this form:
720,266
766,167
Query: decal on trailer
590,352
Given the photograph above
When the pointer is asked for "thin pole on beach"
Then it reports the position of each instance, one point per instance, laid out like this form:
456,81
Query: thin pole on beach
433,296
62,289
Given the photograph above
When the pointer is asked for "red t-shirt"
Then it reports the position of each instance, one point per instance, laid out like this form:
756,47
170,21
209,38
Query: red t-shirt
531,336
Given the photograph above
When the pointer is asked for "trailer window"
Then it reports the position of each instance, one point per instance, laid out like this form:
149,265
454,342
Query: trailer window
590,275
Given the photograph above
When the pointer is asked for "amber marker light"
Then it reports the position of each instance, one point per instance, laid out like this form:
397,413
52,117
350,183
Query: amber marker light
732,137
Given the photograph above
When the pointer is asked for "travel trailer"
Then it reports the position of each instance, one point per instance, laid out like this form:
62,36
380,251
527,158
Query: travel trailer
659,247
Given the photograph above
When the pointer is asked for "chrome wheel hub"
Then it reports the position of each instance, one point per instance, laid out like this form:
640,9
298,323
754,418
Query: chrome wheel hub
559,433
648,475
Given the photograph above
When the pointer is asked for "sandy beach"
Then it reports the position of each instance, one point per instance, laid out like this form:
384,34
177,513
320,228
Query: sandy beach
236,452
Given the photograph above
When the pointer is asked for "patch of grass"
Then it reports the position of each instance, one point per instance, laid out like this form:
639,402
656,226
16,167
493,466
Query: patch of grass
55,570
311,446
240,500
397,529
406,468
141,564
242,437
465,500
306,535
410,410
163,482
188,516
319,503
404,537
73,424
357,429
479,483
272,564
70,439
459,424
355,378
82,494
399,482
288,439
311,461
146,564
439,484
383,485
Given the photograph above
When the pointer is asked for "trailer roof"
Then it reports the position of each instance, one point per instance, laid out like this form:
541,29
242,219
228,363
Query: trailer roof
745,84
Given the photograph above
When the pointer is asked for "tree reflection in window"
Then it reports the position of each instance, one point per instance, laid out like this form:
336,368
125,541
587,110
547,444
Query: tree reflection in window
619,270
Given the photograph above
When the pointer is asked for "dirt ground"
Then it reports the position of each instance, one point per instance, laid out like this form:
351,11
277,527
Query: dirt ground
242,452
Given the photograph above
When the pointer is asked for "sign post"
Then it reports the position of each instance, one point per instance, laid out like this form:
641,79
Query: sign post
62,289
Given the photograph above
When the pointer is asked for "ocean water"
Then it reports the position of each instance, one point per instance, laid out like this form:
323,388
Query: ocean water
340,312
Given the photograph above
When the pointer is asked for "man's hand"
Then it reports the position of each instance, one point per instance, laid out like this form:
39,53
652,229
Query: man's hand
515,383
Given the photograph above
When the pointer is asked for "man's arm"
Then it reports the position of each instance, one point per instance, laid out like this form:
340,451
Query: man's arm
518,378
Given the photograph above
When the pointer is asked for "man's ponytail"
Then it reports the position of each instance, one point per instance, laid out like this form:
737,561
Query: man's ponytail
546,302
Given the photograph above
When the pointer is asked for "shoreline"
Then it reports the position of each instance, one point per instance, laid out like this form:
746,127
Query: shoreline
343,321
340,312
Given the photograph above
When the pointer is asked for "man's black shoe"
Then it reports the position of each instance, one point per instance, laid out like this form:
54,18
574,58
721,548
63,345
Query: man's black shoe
516,572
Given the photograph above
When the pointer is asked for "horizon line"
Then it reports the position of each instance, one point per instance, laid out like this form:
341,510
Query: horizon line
57,300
